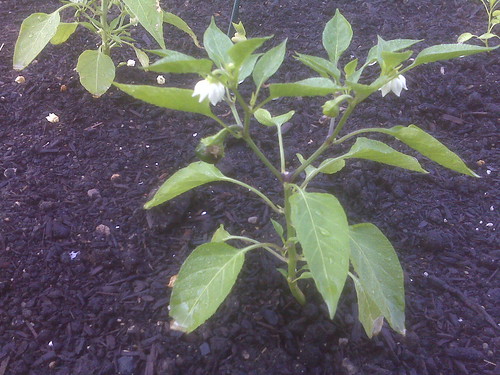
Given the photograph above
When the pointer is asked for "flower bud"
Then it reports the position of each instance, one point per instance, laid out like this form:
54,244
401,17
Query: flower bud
211,149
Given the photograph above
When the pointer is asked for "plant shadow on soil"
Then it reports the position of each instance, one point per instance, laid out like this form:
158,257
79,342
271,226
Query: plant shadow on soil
75,299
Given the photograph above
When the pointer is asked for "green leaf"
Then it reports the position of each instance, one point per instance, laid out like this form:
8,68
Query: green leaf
176,62
393,59
323,233
178,22
317,86
350,68
168,97
220,235
247,67
323,66
369,314
96,71
331,166
337,36
487,36
264,117
380,275
278,228
64,31
204,281
142,57
430,147
36,31
240,51
464,37
447,52
150,16
394,45
185,179
268,64
217,44
370,149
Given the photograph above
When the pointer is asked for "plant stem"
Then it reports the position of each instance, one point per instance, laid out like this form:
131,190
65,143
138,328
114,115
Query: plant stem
282,150
256,191
105,27
328,141
291,250
261,156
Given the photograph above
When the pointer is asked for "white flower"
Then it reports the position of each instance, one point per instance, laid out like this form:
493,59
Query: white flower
206,88
160,80
131,63
52,117
396,86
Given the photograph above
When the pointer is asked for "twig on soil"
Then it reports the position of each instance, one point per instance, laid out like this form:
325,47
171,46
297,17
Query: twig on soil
471,305
5,362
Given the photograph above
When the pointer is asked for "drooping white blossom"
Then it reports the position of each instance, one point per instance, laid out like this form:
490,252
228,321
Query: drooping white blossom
212,90
396,86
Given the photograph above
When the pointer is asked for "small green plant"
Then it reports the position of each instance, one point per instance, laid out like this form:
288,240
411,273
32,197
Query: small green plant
111,20
316,240
493,19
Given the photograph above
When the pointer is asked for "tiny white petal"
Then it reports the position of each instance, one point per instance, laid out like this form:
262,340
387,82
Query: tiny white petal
396,86
52,117
214,91
160,80
131,63
386,89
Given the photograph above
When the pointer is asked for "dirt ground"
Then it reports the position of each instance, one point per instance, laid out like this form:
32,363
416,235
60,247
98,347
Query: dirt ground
77,300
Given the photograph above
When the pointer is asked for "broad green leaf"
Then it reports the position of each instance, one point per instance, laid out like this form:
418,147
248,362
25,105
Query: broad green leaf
150,16
393,59
176,62
323,66
36,31
487,36
204,281
142,57
447,51
64,31
304,275
168,97
370,149
317,86
394,45
178,22
241,50
264,117
464,37
369,314
268,64
323,233
331,166
217,44
337,36
380,275
220,235
96,70
185,179
430,147
247,67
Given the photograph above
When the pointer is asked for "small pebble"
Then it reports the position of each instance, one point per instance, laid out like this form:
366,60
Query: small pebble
160,80
205,349
94,193
52,117
10,172
20,79
253,219
103,229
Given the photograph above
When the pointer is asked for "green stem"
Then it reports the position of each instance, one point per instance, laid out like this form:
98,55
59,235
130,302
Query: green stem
266,246
328,141
291,250
281,148
257,192
261,156
105,27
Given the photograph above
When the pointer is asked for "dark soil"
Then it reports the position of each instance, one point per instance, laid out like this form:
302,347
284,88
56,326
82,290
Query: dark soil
77,300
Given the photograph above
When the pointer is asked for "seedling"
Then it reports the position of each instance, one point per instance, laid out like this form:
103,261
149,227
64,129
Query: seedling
111,20
316,241
493,14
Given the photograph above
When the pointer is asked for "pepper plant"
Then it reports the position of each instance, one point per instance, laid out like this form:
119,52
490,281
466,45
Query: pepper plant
111,20
316,241
493,13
